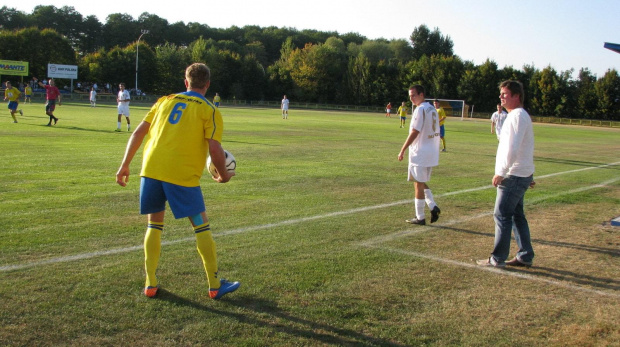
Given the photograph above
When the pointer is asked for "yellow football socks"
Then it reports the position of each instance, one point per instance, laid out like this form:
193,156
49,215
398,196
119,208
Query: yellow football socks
152,249
207,251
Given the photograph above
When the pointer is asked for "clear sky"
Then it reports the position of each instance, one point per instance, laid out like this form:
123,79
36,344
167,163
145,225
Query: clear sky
562,33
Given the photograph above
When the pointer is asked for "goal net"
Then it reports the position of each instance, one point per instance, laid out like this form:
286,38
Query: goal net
454,108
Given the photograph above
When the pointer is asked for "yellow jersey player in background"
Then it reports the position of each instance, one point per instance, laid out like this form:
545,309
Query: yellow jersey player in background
28,94
402,111
182,129
216,100
442,119
12,95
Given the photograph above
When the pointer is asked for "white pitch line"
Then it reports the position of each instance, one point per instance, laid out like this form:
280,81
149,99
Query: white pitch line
418,229
497,271
376,242
64,259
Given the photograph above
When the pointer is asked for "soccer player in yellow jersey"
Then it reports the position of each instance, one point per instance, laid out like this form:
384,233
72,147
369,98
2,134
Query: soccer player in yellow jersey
216,100
182,129
402,111
28,94
442,120
12,95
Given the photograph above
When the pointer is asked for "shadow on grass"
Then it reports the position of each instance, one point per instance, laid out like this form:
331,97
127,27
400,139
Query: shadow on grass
253,143
614,252
60,125
265,314
569,276
599,282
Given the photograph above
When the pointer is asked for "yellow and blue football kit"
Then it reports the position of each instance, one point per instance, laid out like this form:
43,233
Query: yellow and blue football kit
174,156
442,130
12,94
178,123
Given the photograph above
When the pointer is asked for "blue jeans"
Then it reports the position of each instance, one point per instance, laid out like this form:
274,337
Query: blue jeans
509,215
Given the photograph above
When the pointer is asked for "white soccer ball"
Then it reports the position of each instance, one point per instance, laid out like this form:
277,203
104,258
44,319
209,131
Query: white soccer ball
231,164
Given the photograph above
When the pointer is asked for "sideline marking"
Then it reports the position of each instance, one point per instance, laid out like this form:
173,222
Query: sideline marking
64,259
498,271
417,230
375,243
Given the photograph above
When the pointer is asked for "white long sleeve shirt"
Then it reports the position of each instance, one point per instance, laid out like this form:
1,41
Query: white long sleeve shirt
515,152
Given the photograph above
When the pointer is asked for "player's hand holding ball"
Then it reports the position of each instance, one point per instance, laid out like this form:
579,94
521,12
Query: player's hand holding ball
230,164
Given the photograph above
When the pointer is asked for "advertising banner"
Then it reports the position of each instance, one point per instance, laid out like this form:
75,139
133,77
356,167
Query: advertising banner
14,68
62,71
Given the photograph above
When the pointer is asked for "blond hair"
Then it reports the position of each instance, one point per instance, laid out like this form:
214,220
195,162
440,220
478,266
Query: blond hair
197,75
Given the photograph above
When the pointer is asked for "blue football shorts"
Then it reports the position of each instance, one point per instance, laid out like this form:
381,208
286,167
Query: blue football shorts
183,201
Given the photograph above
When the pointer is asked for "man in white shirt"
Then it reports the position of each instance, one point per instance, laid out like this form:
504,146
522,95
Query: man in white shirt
497,120
284,108
93,97
514,174
423,144
123,99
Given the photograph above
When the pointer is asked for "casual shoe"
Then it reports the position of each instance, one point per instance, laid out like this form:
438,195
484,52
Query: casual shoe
150,291
490,262
416,221
117,130
435,214
14,121
55,121
444,150
518,262
21,113
225,288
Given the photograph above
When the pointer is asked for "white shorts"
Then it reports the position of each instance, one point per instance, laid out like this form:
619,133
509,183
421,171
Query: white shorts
388,110
420,174
124,110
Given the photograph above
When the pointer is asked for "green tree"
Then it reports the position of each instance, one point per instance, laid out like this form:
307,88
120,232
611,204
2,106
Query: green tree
587,100
478,85
178,34
90,39
171,64
119,30
377,50
401,50
426,42
546,94
156,26
358,79
38,47
440,75
280,80
608,93
66,21
11,19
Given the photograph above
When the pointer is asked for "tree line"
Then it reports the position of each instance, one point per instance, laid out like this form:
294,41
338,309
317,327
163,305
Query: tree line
256,63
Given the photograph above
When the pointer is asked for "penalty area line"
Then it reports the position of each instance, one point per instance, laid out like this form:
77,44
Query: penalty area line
377,243
495,270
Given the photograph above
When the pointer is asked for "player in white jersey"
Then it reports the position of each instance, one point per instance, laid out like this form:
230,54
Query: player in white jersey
423,143
497,120
284,108
93,97
123,99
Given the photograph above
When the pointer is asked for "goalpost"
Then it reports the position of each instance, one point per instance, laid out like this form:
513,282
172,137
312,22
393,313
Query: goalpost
453,107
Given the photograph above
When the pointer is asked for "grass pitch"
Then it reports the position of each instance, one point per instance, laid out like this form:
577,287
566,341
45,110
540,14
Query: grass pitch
313,227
